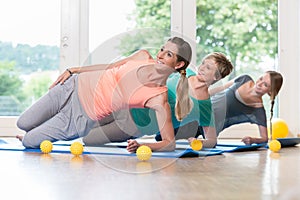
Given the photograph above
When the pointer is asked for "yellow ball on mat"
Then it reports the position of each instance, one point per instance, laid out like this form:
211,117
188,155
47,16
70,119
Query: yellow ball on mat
144,153
46,146
76,148
274,145
196,145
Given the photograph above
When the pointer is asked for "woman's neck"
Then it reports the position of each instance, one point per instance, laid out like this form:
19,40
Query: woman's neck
198,89
155,74
249,96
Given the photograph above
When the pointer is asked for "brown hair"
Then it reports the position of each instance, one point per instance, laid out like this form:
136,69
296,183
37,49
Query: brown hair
224,65
276,83
183,104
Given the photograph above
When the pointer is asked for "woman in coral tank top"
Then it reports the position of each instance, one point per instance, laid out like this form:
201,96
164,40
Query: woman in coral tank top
75,103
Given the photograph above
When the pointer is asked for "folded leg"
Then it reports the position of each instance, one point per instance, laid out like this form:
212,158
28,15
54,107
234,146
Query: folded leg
117,127
46,107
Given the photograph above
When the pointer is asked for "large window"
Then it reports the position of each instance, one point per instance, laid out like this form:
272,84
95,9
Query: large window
105,22
29,52
39,39
116,31
32,37
245,31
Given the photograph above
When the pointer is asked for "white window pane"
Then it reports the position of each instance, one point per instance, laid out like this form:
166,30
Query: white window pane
29,51
117,31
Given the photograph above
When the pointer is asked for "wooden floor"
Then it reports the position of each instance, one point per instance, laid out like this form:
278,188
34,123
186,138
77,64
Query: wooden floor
258,174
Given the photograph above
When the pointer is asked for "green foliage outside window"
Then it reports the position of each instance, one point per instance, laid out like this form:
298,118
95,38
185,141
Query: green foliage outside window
244,30
24,75
10,89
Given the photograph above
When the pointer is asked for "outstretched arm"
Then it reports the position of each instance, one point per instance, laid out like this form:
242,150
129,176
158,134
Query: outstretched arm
263,136
138,55
210,140
212,91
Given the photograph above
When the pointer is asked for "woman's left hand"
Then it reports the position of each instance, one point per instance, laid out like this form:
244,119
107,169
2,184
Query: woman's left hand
247,140
61,79
132,146
191,139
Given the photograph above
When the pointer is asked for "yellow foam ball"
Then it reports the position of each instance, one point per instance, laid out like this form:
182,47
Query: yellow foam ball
144,153
196,145
76,148
274,145
279,128
46,146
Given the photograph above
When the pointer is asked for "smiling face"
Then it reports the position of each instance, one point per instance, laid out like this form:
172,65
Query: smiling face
263,84
207,71
168,55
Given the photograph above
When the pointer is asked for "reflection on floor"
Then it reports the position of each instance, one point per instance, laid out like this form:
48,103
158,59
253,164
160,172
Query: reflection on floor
257,174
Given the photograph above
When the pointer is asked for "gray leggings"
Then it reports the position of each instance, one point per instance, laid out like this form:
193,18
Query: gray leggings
58,115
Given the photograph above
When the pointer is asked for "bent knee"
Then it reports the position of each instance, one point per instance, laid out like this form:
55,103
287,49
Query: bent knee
23,124
28,142
91,141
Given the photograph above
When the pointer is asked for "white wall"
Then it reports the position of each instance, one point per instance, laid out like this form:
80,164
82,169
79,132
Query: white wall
289,65
8,126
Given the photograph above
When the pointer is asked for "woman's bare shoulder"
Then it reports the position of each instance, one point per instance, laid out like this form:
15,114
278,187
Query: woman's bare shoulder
160,99
142,55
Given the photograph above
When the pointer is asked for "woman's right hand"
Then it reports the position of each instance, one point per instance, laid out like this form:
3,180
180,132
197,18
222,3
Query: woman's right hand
61,79
191,139
132,146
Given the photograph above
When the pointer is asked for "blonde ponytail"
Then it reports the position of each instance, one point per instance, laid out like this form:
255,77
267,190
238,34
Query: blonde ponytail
183,104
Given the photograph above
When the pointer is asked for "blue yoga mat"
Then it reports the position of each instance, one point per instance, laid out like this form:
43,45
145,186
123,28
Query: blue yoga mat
229,146
2,142
182,148
239,147
289,142
64,147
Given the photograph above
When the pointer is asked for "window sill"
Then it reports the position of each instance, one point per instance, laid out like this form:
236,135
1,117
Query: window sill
8,126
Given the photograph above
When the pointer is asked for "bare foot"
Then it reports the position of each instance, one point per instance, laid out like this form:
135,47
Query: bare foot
20,137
